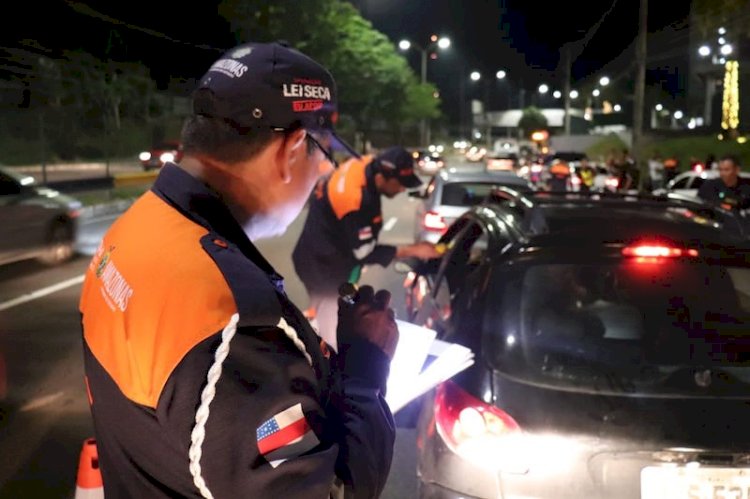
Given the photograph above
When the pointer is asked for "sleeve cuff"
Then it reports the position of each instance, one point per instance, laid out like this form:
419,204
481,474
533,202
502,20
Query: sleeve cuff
363,360
383,254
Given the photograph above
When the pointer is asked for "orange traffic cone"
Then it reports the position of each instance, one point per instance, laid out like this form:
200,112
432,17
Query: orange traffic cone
89,482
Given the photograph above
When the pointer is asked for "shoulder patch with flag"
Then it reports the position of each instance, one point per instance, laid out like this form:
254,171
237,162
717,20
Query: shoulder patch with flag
365,233
286,435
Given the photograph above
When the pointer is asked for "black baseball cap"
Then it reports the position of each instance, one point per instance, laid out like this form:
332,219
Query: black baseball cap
270,85
397,162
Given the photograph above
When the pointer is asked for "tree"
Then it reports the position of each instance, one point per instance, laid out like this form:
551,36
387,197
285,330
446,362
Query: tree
709,15
376,85
532,119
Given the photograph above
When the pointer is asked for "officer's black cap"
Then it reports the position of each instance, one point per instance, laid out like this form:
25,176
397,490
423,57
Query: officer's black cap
271,85
397,162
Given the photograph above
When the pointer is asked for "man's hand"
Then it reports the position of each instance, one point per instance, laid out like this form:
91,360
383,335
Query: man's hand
369,317
423,251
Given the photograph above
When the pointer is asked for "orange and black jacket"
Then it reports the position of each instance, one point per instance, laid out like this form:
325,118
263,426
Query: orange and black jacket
205,380
342,227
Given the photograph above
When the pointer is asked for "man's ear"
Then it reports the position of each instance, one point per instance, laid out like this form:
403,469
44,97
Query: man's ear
289,151
379,181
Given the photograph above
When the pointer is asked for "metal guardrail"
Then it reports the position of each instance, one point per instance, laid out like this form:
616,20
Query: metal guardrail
103,183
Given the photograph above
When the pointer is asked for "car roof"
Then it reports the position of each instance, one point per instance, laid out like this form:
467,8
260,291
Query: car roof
17,176
481,176
552,220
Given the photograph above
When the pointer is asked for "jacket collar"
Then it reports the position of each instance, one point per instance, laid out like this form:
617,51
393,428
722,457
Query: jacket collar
201,204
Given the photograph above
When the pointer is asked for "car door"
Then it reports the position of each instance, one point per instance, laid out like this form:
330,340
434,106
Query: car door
681,186
16,236
456,285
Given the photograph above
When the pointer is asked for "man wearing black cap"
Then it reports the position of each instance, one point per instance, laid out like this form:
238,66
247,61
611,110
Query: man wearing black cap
204,379
342,227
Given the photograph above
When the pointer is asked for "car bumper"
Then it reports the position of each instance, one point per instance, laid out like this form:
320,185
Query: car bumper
152,163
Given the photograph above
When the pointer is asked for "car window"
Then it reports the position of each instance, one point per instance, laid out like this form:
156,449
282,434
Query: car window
8,185
471,193
681,183
629,326
466,251
697,182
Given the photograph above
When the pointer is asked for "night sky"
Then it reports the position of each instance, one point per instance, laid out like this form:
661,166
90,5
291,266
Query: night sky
181,39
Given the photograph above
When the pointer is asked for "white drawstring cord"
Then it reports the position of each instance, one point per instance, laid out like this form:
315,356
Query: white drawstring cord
292,335
209,391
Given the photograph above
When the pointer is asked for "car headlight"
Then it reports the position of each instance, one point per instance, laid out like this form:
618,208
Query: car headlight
144,156
166,157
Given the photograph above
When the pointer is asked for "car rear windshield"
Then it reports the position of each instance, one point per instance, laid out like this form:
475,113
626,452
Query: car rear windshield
471,193
663,326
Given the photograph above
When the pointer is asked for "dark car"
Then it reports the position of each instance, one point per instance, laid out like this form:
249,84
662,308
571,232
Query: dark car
611,362
160,154
35,222
428,162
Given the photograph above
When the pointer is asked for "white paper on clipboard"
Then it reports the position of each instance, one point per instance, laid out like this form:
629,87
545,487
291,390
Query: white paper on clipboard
408,380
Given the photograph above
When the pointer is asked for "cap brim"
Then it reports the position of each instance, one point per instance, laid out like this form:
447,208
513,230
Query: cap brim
341,146
410,182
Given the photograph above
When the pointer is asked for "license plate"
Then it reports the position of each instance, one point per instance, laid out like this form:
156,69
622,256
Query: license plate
661,482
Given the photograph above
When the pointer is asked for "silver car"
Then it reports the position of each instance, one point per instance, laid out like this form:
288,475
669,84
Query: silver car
451,193
35,222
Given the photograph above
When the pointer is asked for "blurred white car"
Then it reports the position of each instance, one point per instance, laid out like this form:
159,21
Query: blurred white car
688,183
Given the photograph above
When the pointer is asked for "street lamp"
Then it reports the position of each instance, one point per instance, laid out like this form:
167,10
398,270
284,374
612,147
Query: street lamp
678,115
500,75
704,51
442,43
604,81
475,75
543,88
726,49
659,107
722,31
596,92
574,94
617,108
557,94
722,41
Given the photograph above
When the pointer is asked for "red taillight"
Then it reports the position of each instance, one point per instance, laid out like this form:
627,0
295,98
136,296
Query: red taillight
476,431
698,168
658,251
612,182
433,221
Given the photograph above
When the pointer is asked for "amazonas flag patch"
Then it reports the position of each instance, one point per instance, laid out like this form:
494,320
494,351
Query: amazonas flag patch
286,435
